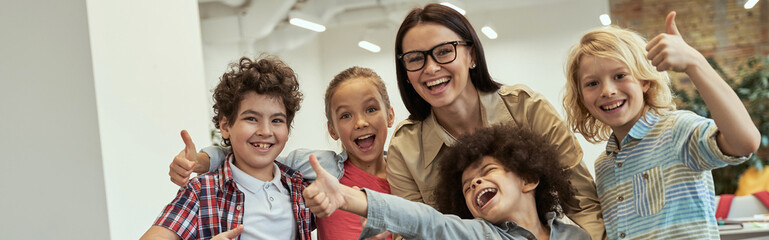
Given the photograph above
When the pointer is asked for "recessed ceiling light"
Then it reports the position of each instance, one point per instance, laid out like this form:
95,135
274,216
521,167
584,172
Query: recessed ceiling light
307,24
369,46
605,20
489,32
750,4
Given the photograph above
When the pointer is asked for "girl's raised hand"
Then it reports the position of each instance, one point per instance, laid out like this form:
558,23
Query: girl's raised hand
669,51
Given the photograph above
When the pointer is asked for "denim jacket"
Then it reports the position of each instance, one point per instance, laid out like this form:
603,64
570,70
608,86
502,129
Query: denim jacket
414,220
298,160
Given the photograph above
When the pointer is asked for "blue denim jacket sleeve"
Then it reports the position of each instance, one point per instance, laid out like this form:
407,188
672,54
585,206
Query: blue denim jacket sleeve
298,160
216,154
413,220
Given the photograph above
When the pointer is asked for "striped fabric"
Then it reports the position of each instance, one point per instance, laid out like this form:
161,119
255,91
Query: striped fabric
211,203
659,185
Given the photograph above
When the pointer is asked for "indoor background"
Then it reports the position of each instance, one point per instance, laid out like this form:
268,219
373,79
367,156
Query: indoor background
95,92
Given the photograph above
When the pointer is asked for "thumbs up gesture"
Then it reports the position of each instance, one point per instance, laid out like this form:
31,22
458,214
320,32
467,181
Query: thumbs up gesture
669,51
323,196
184,162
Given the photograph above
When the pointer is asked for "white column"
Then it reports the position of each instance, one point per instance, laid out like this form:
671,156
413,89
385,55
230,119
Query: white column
52,179
148,71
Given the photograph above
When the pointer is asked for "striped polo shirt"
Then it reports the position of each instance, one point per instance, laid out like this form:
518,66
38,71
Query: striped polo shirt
659,185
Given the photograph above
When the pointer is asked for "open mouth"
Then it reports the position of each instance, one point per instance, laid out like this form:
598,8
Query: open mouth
437,83
262,146
365,142
612,106
485,196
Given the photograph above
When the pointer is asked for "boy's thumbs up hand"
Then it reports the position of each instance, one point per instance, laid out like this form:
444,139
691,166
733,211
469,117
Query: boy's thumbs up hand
183,164
670,22
324,195
669,51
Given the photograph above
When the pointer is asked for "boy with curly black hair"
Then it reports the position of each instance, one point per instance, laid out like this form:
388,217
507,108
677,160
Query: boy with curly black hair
254,105
508,179
512,150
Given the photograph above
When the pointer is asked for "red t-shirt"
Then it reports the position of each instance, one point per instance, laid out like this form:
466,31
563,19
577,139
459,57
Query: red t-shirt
343,225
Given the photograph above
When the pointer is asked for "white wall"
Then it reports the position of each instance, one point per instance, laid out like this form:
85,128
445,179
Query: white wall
52,179
148,69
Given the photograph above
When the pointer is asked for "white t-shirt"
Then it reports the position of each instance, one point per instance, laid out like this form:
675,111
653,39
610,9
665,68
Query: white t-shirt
268,212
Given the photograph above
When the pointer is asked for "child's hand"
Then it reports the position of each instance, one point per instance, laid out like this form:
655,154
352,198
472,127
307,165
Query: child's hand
228,235
323,196
669,51
183,164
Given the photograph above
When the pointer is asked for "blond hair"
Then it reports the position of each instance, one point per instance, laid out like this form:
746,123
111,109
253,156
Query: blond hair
624,46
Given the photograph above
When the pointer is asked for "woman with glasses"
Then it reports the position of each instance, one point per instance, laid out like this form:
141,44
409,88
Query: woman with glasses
445,84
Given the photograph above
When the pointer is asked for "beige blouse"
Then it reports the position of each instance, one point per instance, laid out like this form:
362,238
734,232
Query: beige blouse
416,144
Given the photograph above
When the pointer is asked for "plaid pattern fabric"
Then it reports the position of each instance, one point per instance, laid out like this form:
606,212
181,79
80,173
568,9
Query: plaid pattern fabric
211,203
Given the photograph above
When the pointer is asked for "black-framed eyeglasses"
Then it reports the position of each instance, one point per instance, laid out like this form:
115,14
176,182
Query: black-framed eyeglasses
442,53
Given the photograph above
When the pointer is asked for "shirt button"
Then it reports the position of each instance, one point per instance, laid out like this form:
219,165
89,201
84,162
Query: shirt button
620,198
646,176
271,199
619,164
238,207
622,235
266,186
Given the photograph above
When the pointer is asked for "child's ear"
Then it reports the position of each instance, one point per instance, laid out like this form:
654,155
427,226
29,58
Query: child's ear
224,127
645,85
529,186
390,117
331,131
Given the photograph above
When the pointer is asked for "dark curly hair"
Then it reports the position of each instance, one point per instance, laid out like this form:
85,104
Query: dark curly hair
520,151
266,75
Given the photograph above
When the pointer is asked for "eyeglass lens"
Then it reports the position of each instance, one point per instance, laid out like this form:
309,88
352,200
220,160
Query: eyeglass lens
442,54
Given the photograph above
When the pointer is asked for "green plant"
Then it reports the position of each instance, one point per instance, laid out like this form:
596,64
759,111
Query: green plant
753,89
216,137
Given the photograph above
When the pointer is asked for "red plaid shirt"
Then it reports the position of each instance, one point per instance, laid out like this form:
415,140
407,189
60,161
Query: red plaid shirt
211,204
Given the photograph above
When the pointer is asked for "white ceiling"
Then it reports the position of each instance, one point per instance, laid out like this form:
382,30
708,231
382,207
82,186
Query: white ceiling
265,22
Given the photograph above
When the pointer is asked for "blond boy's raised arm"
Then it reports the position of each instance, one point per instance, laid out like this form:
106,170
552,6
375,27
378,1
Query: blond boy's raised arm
668,51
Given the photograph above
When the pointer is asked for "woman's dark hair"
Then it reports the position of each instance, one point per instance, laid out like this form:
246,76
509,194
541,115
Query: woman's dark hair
268,76
418,108
520,151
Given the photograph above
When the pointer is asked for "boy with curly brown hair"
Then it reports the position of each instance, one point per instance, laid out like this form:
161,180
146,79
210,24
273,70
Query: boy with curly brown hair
508,179
254,105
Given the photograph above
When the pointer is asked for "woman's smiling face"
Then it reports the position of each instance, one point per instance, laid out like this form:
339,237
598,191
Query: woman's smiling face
439,84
